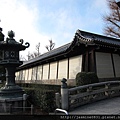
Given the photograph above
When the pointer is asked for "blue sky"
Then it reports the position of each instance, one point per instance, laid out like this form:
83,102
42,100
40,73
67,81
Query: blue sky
41,20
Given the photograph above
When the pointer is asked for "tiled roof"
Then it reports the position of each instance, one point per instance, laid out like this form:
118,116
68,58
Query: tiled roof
98,39
83,37
51,53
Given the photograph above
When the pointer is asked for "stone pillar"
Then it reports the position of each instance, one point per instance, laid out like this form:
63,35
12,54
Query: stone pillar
57,97
24,101
10,75
4,106
32,109
64,95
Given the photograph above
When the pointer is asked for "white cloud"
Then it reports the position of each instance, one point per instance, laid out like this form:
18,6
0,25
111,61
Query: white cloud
65,23
28,18
16,15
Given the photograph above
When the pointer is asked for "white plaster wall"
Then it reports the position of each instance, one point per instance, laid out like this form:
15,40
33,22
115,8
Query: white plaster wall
34,73
20,74
75,65
45,71
53,70
17,75
104,65
39,72
26,74
30,74
63,69
23,76
116,59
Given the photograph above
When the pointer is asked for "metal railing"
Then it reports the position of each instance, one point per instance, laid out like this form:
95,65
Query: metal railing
61,111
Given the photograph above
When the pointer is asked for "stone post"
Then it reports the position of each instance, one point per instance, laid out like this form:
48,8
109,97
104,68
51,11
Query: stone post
4,106
107,86
32,109
64,95
10,108
24,101
57,97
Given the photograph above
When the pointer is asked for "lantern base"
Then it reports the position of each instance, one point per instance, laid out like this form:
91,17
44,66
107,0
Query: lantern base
10,105
11,99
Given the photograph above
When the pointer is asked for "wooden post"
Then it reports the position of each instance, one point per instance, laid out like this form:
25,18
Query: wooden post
64,95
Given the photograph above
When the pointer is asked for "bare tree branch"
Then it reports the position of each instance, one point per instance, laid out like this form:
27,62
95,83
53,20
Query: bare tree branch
34,54
112,26
51,46
38,48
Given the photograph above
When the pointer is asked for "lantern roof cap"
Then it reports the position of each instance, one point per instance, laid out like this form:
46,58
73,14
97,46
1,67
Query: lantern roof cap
11,34
1,35
11,43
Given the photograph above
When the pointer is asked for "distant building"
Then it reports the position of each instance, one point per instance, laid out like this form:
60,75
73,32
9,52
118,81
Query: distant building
87,52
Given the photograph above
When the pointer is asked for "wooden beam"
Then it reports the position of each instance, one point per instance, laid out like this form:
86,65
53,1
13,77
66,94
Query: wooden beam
86,62
113,65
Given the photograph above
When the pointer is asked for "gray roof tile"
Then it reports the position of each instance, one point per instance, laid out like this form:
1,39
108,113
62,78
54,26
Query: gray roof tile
100,38
48,54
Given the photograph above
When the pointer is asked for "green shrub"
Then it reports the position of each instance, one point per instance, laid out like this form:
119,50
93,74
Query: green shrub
31,93
41,95
2,84
84,78
45,100
93,78
40,86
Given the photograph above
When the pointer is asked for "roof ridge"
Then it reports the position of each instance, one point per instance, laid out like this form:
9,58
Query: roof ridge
55,49
91,33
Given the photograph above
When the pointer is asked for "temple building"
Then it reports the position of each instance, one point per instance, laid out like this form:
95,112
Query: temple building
87,52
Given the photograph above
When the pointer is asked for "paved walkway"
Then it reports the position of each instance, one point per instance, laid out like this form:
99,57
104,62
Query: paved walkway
104,107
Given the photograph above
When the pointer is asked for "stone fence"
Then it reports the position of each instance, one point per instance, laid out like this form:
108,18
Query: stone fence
77,96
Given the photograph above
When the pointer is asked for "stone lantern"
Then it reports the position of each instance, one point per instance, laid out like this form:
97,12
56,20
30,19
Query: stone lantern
10,93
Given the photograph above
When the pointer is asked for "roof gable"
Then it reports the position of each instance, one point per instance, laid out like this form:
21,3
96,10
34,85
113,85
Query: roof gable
95,39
